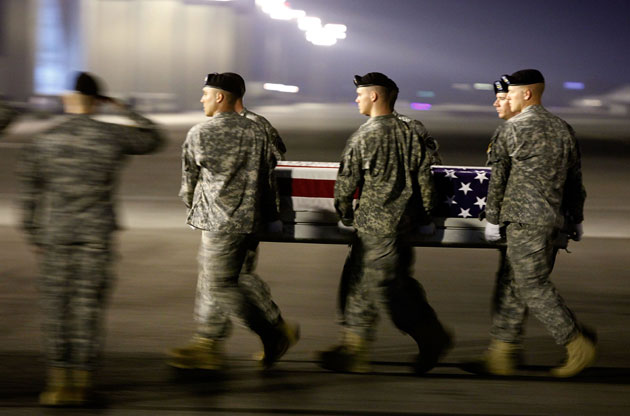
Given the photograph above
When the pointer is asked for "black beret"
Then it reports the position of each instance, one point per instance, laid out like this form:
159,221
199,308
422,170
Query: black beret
238,79
500,85
87,84
375,78
524,77
226,82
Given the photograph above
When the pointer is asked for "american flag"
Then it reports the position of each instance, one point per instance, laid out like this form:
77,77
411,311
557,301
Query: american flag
309,186
461,191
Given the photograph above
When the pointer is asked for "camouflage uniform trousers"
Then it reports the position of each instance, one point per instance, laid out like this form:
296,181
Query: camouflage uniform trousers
525,285
227,286
74,286
377,274
504,277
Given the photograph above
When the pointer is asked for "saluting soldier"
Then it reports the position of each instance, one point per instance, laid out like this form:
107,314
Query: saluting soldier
69,176
227,167
383,160
535,189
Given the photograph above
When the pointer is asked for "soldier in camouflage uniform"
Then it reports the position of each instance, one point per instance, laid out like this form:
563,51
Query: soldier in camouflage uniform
384,159
7,114
535,189
430,157
431,146
69,175
502,107
279,151
227,166
248,278
278,147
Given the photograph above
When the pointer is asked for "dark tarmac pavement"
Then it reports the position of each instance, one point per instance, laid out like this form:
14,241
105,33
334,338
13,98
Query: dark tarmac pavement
151,310
152,301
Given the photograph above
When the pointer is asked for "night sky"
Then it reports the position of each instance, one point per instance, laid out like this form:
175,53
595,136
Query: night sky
430,45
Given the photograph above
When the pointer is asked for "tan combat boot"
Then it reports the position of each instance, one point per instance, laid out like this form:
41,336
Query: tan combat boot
351,356
58,391
500,359
581,353
81,382
202,353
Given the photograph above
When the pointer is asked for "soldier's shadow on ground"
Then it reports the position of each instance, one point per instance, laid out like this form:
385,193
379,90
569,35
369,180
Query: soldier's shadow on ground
132,380
444,370
601,375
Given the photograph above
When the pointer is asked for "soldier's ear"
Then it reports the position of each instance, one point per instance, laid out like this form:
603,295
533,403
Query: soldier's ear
527,94
373,95
220,97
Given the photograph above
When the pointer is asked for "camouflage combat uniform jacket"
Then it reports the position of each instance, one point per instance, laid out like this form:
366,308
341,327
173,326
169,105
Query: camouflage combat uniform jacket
489,152
430,157
7,114
431,145
384,160
69,176
227,163
536,171
279,149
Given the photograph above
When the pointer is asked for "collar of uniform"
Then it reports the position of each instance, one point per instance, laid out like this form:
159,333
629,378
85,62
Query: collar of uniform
530,109
224,114
383,117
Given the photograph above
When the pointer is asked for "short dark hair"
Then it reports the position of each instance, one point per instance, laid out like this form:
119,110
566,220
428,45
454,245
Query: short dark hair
87,84
393,96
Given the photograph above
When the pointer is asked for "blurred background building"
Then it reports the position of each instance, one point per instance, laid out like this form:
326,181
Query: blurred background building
155,52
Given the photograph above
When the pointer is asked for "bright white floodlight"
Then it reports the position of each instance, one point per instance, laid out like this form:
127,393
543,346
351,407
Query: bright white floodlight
281,87
317,34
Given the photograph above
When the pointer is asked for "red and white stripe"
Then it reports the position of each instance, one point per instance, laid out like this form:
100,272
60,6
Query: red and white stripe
310,186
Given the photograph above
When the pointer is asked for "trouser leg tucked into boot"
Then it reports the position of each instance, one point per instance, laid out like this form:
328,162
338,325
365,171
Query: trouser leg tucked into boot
351,356
202,353
581,353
